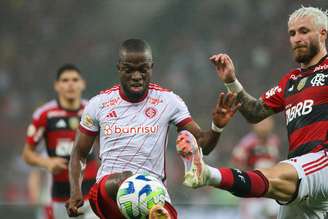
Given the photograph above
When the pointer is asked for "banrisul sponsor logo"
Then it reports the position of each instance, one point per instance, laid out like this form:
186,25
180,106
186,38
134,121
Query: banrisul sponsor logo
148,130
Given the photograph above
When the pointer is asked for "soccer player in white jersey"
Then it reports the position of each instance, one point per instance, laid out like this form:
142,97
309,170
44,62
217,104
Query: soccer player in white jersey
299,184
132,120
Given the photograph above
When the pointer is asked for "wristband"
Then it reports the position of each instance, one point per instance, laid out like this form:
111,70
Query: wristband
216,129
234,86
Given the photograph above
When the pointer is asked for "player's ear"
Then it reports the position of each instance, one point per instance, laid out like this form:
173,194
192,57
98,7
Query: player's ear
323,34
56,88
83,84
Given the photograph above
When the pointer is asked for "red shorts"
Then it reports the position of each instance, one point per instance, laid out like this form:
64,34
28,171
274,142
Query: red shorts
106,208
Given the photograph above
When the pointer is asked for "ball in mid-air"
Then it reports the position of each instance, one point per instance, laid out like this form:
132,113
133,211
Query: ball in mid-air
138,194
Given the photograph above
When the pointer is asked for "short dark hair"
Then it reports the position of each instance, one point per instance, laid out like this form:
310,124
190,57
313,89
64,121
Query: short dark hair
67,67
135,45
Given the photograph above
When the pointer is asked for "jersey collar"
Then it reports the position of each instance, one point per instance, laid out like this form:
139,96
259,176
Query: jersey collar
126,98
69,110
304,70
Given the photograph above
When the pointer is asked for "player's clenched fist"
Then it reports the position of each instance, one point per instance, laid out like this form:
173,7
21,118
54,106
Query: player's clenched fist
73,205
224,67
225,108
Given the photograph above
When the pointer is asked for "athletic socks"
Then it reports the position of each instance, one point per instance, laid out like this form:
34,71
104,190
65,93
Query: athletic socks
240,183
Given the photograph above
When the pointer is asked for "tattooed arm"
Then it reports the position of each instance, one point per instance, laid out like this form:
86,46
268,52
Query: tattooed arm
253,109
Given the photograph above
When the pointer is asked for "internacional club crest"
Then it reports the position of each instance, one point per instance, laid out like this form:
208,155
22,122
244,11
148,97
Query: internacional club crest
150,112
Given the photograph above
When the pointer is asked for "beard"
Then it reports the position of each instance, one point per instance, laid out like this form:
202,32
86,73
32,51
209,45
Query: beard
306,55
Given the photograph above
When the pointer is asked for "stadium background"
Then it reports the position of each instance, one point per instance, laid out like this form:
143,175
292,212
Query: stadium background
38,36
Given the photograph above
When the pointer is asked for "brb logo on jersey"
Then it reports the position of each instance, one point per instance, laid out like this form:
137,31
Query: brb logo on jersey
300,109
147,130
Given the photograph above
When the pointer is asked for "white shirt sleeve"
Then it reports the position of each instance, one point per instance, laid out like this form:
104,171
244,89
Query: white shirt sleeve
89,119
181,112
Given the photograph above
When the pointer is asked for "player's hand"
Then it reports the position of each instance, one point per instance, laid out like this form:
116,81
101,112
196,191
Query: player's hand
73,205
56,164
225,108
224,67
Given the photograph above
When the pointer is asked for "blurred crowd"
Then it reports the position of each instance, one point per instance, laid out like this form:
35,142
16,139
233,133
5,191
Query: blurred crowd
36,37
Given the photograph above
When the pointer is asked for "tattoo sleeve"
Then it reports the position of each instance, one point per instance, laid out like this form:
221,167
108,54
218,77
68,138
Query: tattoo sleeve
253,109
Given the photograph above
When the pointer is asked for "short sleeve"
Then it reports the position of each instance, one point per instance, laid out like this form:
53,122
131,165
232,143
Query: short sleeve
181,115
36,128
274,97
89,123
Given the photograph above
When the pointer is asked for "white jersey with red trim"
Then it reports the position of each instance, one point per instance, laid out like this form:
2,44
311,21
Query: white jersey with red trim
133,135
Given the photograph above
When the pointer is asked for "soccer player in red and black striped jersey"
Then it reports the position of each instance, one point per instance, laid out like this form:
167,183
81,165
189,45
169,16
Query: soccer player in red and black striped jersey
56,122
299,184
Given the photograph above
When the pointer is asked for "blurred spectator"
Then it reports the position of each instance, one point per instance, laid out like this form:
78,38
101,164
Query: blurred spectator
258,149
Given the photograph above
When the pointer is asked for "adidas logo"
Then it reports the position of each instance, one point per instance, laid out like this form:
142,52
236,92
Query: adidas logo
61,124
112,114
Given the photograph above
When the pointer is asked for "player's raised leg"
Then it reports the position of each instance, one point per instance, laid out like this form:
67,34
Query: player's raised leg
271,182
103,195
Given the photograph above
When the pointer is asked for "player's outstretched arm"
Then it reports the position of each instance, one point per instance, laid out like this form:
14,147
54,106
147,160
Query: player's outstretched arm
224,110
52,164
77,162
252,108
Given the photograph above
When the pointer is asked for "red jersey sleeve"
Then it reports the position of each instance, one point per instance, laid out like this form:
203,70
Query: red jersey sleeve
36,129
274,97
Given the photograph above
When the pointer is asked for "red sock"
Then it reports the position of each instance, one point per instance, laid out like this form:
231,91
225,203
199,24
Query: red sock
244,183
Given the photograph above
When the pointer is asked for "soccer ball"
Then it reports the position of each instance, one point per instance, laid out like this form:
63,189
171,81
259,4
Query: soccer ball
138,194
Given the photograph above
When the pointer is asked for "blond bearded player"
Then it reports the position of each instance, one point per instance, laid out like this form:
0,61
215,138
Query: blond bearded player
299,184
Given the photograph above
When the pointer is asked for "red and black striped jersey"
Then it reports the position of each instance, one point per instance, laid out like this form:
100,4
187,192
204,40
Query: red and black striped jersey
303,95
57,126
252,152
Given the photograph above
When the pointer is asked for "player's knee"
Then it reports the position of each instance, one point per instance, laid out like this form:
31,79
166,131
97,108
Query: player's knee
282,182
114,181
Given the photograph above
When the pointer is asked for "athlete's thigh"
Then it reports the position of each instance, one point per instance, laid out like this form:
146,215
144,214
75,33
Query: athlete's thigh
283,179
311,197
102,203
